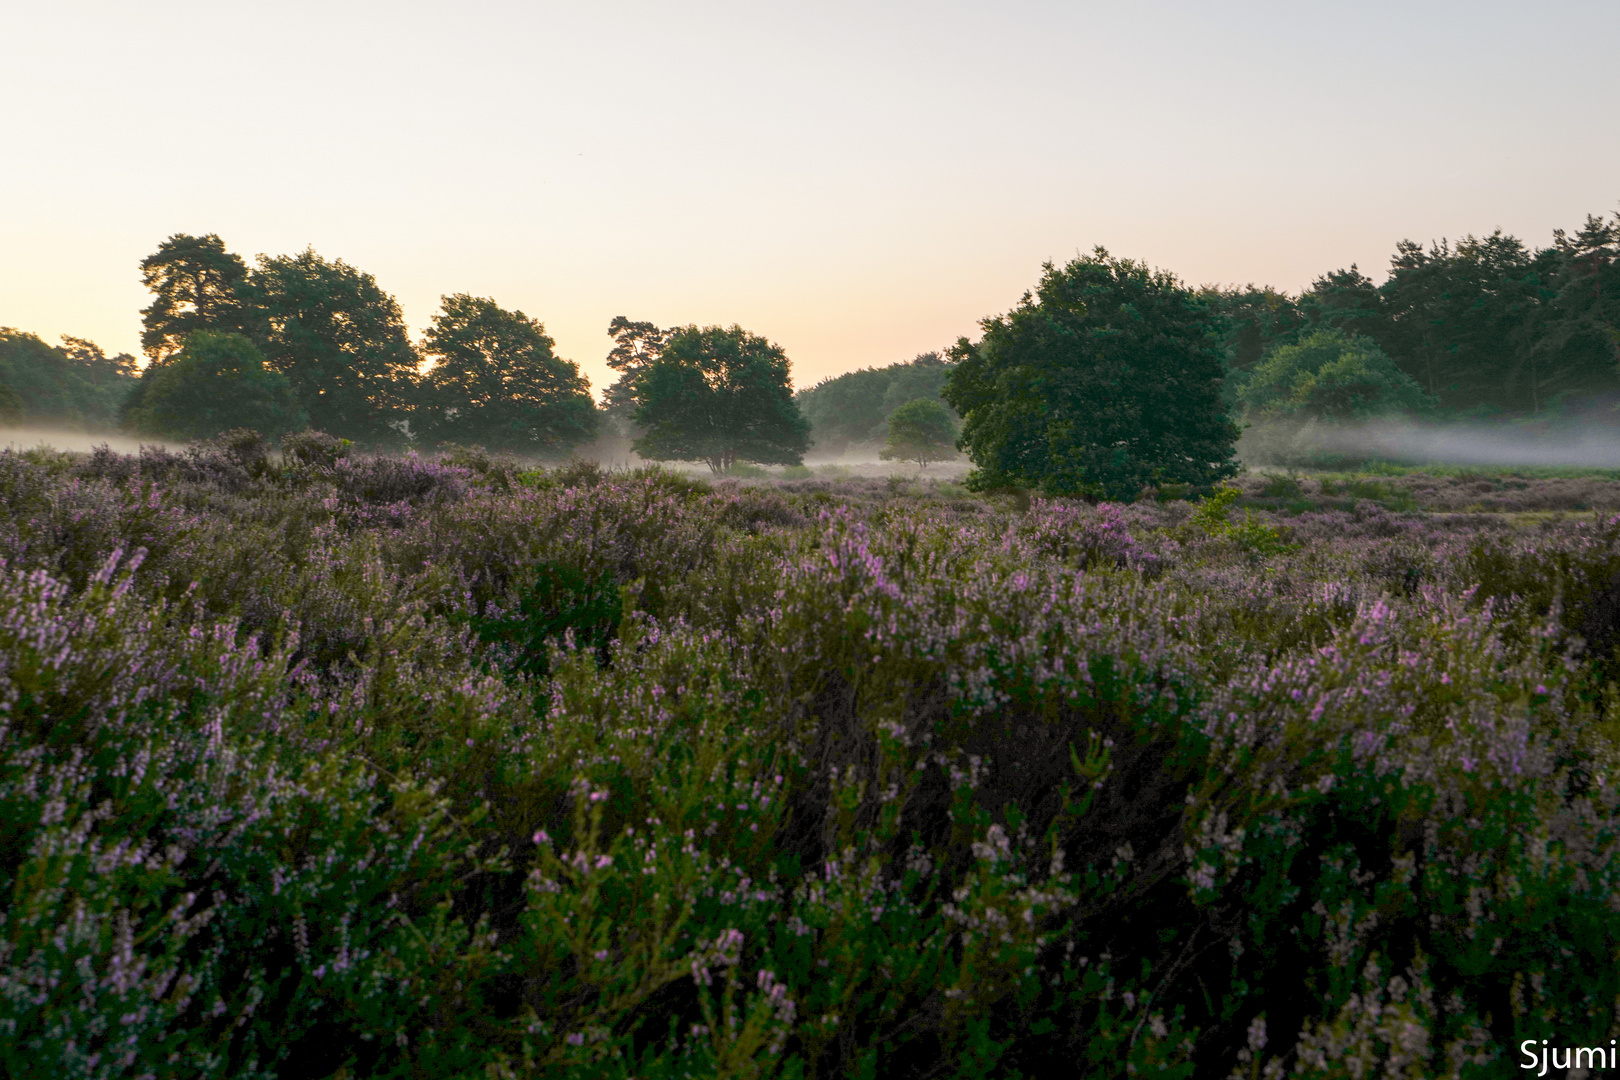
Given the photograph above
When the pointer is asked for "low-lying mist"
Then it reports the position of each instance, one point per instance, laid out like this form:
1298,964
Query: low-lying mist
1580,444
1584,444
28,438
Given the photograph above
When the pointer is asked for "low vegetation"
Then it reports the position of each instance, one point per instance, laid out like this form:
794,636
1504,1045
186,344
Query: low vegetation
315,764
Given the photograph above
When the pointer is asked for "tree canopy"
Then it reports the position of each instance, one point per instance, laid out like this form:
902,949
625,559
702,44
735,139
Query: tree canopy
497,382
216,382
1331,375
719,396
12,407
1106,380
1482,324
636,346
196,285
854,408
921,430
338,338
74,384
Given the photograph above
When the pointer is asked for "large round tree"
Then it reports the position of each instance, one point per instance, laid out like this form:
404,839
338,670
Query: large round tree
338,338
496,382
719,396
1106,380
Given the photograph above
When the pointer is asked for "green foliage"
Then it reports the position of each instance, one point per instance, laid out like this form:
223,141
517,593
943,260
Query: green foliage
196,285
1482,325
719,396
12,407
496,381
636,345
553,607
1328,375
855,407
1282,487
338,338
74,384
921,430
1107,381
1258,319
1213,516
216,382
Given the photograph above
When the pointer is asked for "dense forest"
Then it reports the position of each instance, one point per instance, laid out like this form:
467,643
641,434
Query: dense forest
1486,325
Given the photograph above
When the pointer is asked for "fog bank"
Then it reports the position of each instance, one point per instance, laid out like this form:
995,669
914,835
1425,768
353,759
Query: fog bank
28,438
1579,444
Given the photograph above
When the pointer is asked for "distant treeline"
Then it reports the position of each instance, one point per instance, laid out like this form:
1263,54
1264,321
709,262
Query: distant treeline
299,341
1479,328
73,385
854,408
1484,326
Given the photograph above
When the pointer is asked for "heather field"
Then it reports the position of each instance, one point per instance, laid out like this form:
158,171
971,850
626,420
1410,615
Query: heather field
315,765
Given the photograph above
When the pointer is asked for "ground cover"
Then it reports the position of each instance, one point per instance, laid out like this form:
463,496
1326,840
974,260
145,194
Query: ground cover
315,765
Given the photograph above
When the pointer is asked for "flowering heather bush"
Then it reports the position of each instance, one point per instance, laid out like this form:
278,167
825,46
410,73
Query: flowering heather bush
344,766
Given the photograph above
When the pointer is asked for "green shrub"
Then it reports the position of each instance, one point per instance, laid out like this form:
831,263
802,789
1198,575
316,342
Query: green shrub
1281,487
552,607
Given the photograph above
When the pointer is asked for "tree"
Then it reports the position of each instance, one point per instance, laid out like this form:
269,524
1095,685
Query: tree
497,382
855,407
1257,318
1331,375
636,346
845,409
36,373
12,408
99,383
73,384
197,286
720,396
1108,379
216,382
921,430
338,338
1582,332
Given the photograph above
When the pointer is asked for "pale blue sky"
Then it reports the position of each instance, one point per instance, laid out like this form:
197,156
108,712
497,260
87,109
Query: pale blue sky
858,182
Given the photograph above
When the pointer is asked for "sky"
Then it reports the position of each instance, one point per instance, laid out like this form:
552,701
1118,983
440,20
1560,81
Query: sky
858,182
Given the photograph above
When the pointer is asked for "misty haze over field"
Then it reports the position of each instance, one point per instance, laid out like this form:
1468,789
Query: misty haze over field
1588,445
28,438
